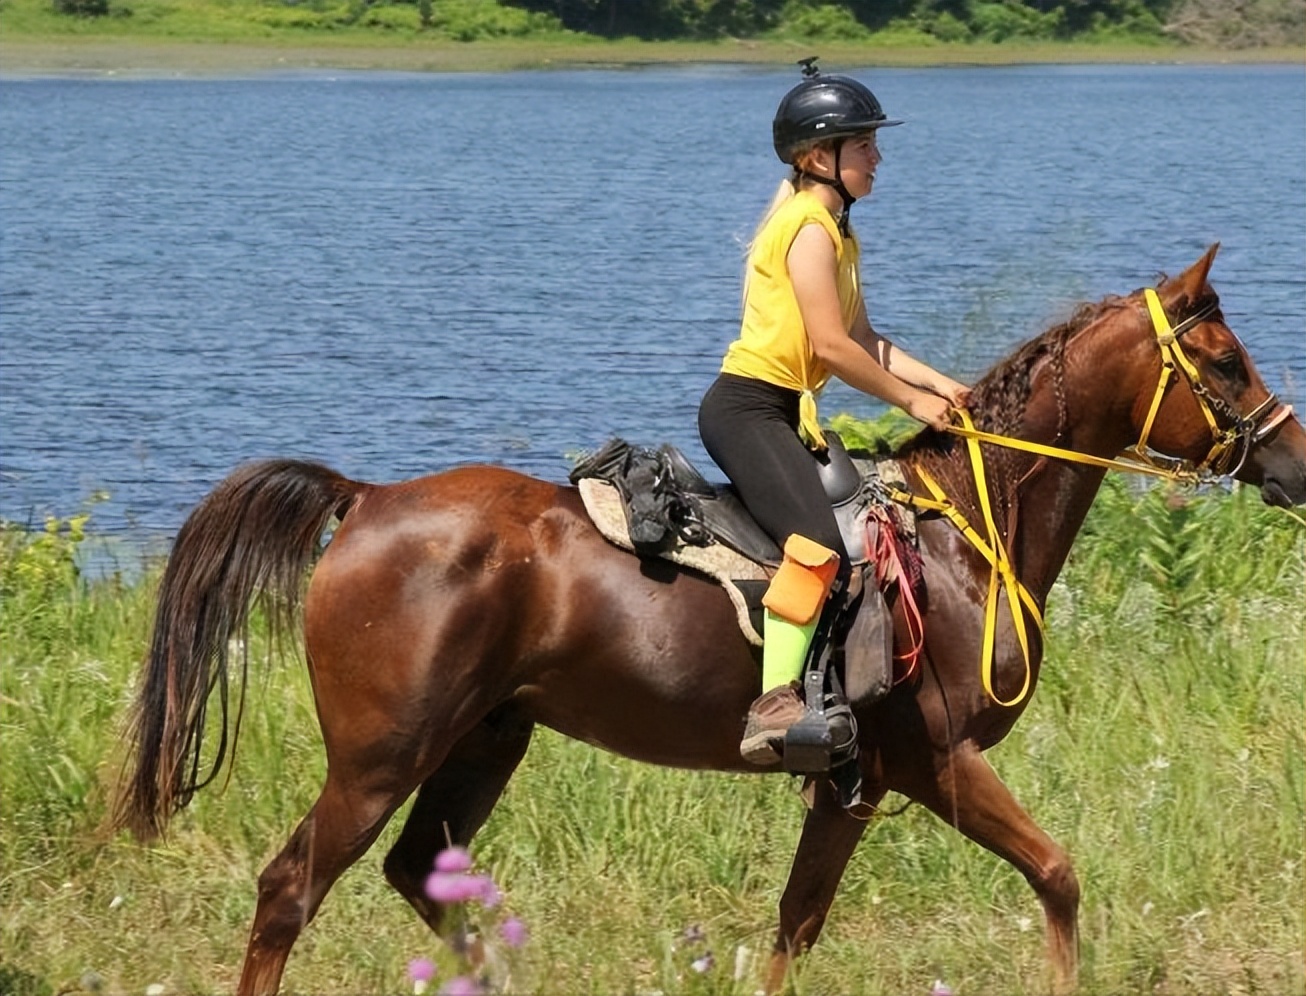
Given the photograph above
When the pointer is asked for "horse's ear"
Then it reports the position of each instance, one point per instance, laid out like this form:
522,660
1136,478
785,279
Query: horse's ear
1192,281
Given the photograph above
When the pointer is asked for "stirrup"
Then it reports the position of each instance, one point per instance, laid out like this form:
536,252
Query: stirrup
826,736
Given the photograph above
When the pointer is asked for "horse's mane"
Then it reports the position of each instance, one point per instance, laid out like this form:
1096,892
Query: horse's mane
999,398
998,403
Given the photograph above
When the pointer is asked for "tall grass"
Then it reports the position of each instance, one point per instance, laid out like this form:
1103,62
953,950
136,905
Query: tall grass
1164,749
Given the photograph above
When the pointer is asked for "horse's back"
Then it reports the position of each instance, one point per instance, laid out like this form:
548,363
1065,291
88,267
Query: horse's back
482,586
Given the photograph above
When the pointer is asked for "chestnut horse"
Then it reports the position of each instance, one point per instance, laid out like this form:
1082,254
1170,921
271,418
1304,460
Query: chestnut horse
451,614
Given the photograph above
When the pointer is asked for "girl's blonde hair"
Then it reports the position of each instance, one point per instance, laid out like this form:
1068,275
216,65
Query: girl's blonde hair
783,193
788,187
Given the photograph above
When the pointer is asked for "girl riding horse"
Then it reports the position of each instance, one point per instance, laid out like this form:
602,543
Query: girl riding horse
805,320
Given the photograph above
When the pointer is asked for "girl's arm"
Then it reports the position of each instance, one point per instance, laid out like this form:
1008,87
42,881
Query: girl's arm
812,268
903,365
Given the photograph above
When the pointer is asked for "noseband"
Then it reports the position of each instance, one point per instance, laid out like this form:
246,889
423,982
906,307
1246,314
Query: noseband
1241,432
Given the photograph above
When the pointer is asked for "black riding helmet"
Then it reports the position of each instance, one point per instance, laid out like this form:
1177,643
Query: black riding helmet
819,109
823,107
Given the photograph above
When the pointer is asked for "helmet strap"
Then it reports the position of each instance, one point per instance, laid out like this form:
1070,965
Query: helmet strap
836,182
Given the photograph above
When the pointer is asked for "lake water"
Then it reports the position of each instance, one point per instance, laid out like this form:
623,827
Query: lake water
397,273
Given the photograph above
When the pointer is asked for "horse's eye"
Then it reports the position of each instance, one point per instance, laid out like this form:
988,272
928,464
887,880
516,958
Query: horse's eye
1230,364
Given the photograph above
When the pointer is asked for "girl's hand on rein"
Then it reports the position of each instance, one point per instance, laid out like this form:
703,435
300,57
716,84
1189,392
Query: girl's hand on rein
958,394
934,411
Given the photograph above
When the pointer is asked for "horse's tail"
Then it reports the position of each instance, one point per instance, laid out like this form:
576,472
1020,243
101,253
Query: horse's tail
255,534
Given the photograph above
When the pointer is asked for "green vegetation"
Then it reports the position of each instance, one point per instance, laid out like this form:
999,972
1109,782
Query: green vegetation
911,21
447,20
933,20
435,34
1163,749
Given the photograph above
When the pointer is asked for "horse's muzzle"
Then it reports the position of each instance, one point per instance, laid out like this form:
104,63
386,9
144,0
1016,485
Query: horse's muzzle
1278,461
1272,493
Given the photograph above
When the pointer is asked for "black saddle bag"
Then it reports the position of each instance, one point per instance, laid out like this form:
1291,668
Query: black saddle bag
659,493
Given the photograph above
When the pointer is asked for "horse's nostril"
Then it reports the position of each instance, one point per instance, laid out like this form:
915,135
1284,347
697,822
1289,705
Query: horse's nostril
1272,494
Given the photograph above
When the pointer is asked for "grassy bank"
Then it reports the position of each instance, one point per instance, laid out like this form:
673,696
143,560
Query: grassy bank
143,55
203,37
1164,748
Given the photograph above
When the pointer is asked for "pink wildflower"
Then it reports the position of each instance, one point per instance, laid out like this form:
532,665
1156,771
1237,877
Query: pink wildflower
703,964
486,891
448,888
513,932
453,860
421,970
460,985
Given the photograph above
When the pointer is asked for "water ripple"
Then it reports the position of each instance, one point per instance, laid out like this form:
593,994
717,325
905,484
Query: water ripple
395,274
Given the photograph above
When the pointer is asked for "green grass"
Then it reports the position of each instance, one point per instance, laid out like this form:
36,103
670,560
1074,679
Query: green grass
1164,749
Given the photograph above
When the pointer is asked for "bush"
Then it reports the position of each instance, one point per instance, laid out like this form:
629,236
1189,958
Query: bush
826,21
36,564
473,20
906,32
298,17
997,22
1131,21
1244,25
82,8
392,18
946,27
318,15
875,437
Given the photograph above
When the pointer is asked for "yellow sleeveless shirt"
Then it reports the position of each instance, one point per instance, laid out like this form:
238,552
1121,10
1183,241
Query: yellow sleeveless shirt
773,345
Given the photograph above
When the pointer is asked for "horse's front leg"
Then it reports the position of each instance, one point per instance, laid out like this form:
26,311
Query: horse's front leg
828,840
969,795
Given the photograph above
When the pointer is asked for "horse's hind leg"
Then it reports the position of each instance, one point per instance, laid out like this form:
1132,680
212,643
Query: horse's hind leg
454,803
342,824
970,796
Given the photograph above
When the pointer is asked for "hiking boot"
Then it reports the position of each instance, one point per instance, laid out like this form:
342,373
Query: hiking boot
769,719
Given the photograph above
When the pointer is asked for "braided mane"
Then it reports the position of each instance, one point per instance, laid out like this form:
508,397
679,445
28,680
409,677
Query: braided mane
999,398
998,403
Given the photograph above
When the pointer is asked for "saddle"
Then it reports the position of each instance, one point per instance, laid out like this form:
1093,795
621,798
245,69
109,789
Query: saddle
657,504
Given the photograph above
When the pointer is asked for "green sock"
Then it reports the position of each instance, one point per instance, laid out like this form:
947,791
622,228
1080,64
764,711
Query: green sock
784,649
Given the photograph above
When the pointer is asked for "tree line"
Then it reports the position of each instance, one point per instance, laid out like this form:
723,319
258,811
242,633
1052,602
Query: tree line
1239,22
1229,23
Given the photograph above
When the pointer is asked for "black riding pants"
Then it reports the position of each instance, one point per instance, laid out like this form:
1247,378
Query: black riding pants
750,428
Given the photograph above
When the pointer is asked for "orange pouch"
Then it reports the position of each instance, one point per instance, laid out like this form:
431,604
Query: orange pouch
803,581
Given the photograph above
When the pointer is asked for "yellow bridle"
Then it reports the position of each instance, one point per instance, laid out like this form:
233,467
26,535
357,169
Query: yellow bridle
1248,429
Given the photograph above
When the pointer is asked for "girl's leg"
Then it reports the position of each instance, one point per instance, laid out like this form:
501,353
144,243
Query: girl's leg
749,429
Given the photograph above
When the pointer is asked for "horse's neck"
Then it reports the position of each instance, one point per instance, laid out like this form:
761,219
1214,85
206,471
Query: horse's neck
1050,512
1048,499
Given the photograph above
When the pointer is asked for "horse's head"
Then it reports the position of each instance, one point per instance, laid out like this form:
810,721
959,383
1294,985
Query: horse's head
1207,404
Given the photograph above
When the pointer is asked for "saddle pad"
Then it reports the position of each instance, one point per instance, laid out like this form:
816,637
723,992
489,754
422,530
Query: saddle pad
603,503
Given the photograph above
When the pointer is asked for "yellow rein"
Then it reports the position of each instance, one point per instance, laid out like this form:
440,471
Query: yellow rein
1136,460
995,552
